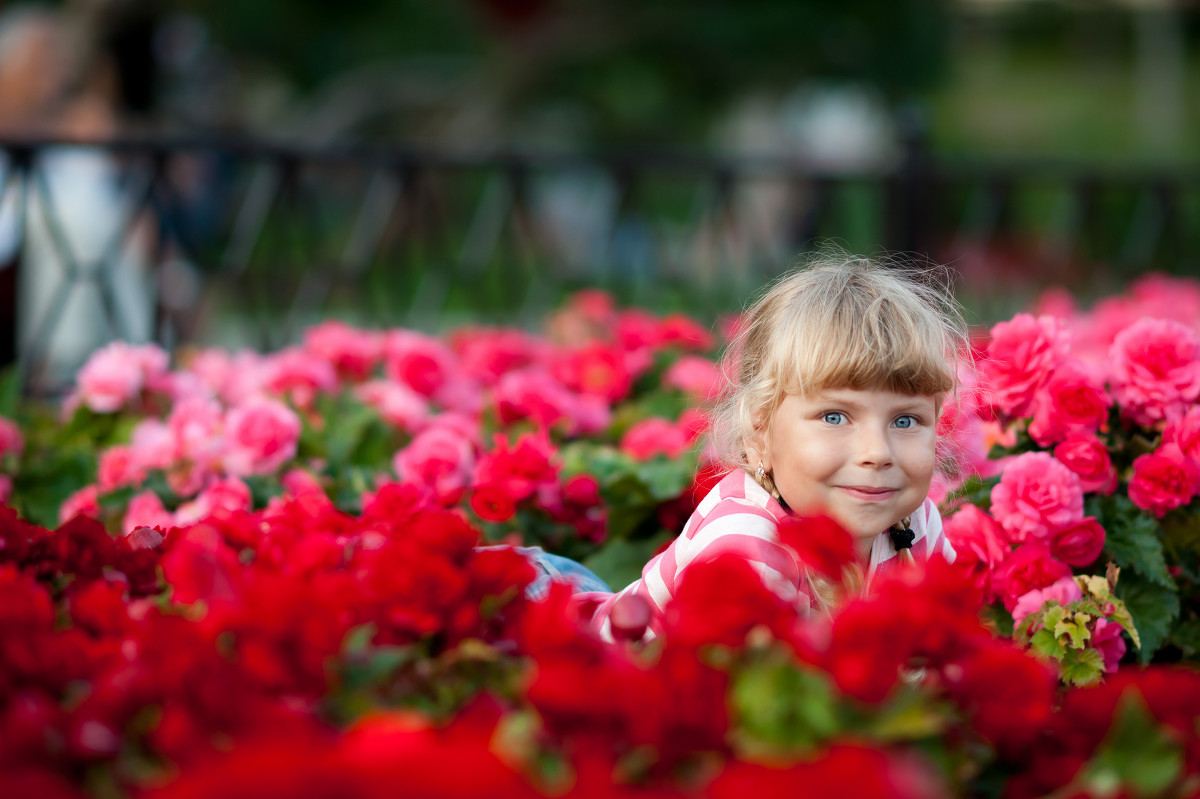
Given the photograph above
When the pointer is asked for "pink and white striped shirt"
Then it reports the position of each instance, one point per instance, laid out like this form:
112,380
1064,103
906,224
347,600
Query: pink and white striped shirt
738,516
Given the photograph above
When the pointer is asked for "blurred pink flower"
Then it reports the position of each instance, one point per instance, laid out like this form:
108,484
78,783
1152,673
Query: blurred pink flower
260,436
654,436
84,502
146,510
695,376
11,440
298,376
229,494
398,404
439,460
117,373
352,353
420,362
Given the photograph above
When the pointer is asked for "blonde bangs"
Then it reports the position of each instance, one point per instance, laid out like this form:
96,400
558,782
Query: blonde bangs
880,346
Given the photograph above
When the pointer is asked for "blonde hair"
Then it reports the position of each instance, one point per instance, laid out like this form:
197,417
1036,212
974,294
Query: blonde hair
838,321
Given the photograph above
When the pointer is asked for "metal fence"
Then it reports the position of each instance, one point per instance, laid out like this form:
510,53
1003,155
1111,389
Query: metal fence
246,243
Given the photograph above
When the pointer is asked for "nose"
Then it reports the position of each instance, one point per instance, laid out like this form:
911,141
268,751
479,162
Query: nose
874,446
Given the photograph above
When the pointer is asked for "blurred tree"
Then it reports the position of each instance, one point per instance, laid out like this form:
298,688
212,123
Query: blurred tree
615,70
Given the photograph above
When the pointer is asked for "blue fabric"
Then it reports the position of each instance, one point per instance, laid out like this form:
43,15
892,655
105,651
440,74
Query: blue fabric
564,570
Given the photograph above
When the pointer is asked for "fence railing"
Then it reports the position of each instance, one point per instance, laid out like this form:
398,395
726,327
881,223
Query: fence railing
245,243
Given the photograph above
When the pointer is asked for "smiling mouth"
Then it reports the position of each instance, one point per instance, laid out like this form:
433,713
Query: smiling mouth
869,492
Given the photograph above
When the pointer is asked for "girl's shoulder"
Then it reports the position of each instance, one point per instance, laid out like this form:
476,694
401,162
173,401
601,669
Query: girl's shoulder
738,489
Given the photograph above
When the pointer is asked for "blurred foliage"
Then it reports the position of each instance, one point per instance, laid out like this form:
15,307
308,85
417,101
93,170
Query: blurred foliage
621,70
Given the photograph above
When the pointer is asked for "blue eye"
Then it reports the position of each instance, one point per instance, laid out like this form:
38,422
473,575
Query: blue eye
833,417
905,422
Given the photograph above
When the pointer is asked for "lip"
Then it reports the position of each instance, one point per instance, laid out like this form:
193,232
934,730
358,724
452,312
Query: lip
870,493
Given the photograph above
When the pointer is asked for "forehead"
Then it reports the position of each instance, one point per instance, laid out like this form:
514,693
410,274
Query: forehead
863,399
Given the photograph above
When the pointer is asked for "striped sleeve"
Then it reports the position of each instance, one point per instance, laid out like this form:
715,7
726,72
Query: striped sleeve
939,542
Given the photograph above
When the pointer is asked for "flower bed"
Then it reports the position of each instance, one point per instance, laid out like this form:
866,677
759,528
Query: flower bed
264,573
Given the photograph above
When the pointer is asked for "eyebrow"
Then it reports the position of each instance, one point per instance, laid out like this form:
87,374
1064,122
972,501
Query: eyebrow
838,397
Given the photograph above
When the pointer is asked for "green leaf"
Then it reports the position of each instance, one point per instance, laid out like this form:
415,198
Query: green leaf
1047,643
1153,607
780,706
10,391
1082,667
619,562
1186,636
1132,536
666,478
1137,752
1074,626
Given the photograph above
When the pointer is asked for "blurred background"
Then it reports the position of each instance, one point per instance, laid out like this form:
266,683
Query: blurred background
259,166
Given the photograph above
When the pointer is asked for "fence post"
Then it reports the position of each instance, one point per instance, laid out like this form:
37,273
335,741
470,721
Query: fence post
911,205
19,160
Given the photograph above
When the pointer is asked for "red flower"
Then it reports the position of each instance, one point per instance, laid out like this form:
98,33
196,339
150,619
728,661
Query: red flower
1088,457
1030,566
1078,544
819,543
980,543
720,601
492,502
1163,481
1007,693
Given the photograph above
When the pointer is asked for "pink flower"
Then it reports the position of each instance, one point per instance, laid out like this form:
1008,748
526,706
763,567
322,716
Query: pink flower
233,378
697,377
1155,367
1184,432
418,361
1106,637
146,510
260,436
439,460
353,353
298,376
1072,400
1022,355
398,404
152,445
1062,591
487,354
1163,480
119,467
979,541
1029,566
6,486
677,330
1035,496
1078,544
84,502
595,369
11,441
228,494
535,395
1088,458
655,436
117,373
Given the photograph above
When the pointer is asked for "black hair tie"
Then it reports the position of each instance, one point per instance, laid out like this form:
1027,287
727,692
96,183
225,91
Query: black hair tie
902,539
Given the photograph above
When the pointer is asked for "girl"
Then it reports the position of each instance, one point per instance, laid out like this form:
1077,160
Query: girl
837,381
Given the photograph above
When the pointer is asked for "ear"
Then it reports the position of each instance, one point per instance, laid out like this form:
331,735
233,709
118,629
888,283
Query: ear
757,451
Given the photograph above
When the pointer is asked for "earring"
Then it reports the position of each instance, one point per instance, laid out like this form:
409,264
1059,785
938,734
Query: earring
761,472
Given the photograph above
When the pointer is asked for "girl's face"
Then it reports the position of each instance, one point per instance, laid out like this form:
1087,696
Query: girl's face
863,457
